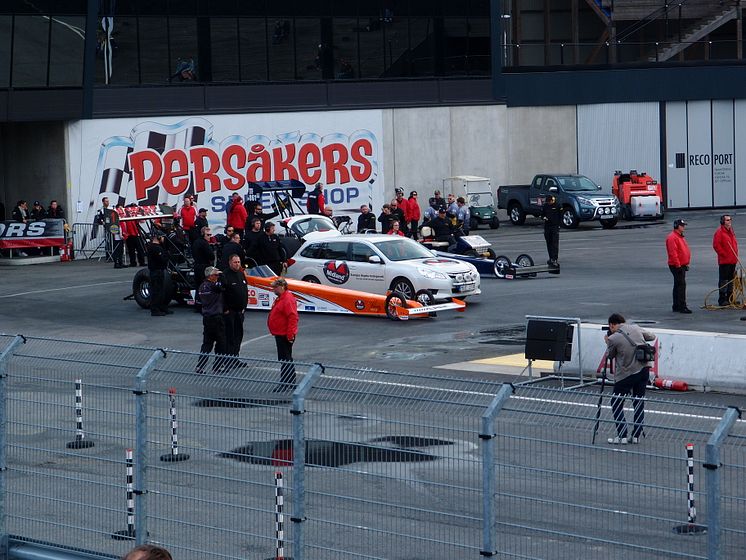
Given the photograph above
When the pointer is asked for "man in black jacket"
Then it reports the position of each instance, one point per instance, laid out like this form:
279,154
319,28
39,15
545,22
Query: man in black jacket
397,214
256,211
366,221
232,247
213,332
252,236
203,257
271,251
552,215
157,264
38,212
236,296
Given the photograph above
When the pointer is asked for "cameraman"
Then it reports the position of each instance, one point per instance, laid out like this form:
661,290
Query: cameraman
630,375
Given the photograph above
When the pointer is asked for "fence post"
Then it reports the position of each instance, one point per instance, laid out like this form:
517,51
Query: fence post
141,445
487,443
4,359
712,478
297,409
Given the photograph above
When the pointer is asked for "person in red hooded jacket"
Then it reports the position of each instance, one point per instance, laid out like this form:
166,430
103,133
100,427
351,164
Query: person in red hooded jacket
237,214
679,257
726,246
283,325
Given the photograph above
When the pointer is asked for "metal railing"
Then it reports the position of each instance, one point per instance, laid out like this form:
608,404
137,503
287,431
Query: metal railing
90,241
375,464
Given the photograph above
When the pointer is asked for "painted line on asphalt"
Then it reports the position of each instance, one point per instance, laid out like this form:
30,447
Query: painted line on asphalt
255,339
65,288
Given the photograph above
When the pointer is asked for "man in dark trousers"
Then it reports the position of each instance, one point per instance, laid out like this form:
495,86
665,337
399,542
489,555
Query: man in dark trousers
283,325
157,264
203,257
271,251
551,213
726,246
679,256
315,200
236,297
213,325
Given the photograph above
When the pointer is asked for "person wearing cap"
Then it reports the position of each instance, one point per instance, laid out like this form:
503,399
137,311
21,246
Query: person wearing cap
37,211
414,213
315,200
551,213
679,257
157,264
403,206
271,252
725,244
203,256
237,214
283,325
366,221
437,201
213,325
441,227
199,222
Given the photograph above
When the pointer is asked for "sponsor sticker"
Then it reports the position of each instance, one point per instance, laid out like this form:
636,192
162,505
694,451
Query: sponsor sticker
359,304
309,308
337,272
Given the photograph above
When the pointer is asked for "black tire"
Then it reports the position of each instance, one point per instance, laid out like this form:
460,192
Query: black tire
516,214
569,218
499,265
393,301
425,297
525,260
311,280
494,222
473,224
403,287
626,212
608,224
141,288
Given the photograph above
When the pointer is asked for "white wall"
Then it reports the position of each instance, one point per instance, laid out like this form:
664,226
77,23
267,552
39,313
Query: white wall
618,136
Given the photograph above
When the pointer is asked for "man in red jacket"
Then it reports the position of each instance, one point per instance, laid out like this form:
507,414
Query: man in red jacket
283,325
237,214
187,216
726,246
678,262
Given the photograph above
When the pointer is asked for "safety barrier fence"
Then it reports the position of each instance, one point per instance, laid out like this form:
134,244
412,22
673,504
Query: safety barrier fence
90,241
373,464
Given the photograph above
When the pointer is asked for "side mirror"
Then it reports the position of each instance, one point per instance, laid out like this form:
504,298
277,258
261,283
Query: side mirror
375,259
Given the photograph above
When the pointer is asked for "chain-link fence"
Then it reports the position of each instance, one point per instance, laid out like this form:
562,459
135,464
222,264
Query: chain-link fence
373,464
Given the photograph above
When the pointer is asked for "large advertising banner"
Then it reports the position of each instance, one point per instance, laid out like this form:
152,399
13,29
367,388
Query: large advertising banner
160,160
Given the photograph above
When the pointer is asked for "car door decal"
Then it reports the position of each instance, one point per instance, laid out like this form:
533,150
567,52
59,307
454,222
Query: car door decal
337,272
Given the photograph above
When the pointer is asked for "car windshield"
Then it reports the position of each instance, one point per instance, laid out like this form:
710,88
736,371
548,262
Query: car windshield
313,223
577,183
402,249
481,199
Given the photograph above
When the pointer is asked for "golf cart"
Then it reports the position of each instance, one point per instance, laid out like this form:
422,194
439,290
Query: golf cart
478,194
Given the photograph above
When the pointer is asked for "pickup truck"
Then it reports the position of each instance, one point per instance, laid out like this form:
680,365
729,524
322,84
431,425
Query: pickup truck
578,196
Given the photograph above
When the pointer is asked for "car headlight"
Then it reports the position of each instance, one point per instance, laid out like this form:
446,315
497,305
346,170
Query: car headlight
431,274
585,201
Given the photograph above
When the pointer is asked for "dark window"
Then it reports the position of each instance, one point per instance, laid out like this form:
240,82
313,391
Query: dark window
124,63
311,252
224,40
30,50
154,63
66,64
6,23
346,35
282,51
183,7
396,47
252,34
153,7
183,49
372,54
224,7
335,250
309,52
122,7
361,252
66,7
422,45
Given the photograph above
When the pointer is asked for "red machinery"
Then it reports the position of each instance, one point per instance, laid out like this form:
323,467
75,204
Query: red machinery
640,195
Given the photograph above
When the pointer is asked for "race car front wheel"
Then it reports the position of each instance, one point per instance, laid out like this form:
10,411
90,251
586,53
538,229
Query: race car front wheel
396,301
500,265
141,288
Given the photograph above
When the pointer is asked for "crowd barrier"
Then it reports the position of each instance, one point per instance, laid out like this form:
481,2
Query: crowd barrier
703,360
103,447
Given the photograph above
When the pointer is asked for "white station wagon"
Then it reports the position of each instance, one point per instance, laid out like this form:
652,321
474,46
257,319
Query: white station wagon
378,263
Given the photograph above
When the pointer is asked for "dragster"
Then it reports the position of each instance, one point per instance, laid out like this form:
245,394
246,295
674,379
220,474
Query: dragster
317,298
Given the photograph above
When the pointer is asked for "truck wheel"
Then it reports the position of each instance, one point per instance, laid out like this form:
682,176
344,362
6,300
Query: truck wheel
473,224
569,218
516,214
608,224
494,222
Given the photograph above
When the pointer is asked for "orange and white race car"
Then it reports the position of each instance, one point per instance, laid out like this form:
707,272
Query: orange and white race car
317,298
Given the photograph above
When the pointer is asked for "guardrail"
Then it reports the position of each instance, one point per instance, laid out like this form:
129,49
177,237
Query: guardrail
375,464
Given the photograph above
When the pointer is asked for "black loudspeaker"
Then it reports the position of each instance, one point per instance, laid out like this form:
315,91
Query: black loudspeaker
549,340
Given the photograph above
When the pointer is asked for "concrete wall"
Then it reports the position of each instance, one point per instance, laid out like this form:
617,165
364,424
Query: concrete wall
32,163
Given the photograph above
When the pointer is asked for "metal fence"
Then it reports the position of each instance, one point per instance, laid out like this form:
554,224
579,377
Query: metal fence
90,241
375,464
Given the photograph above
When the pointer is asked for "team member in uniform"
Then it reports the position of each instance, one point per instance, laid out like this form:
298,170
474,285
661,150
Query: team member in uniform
200,222
232,247
366,221
726,246
213,331
251,240
463,215
283,325
157,264
403,205
679,256
203,257
414,213
552,216
236,297
188,217
385,218
315,200
237,215
271,251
